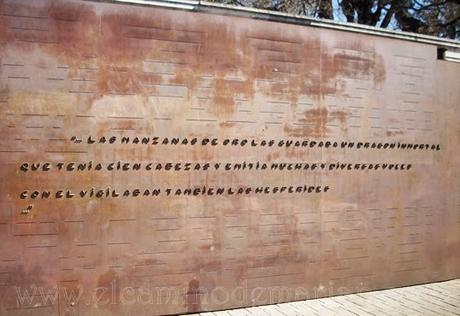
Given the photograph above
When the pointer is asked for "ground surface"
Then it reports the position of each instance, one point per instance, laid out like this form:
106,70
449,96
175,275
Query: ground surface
441,298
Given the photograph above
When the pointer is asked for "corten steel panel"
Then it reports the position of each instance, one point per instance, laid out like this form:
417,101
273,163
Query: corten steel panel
72,70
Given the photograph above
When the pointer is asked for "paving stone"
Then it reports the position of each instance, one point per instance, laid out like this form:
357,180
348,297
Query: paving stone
441,298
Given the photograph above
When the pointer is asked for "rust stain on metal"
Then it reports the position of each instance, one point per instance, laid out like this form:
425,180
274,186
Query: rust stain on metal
193,296
315,123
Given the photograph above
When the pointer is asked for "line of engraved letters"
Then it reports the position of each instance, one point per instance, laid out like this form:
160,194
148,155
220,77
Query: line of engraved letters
208,166
244,142
190,191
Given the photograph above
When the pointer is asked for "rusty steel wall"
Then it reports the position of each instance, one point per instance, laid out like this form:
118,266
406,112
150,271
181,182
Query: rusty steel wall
317,162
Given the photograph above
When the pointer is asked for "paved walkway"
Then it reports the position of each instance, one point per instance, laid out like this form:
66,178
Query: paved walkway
441,298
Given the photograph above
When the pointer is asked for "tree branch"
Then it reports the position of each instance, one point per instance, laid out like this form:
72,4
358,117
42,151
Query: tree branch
453,21
387,19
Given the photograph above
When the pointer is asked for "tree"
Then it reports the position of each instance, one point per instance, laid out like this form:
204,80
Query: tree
434,17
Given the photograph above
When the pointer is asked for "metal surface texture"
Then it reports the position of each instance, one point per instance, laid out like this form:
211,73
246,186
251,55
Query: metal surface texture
158,161
269,15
